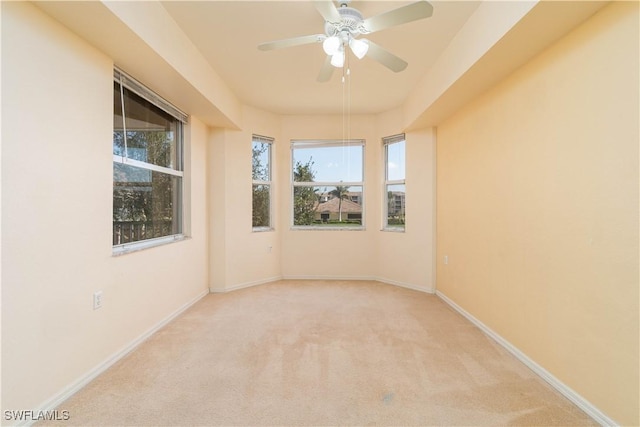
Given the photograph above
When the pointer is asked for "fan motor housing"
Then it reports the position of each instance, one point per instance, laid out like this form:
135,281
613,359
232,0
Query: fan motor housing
351,20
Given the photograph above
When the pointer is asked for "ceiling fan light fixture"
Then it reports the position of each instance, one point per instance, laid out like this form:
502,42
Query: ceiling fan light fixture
359,47
331,45
343,25
337,59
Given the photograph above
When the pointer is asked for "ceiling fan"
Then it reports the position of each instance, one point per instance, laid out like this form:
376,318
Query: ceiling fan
342,28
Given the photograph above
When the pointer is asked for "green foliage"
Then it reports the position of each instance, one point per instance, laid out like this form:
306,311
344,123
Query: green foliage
145,203
261,193
259,171
260,212
141,195
305,199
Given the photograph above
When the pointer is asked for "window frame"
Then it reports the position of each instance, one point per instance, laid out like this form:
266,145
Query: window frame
386,143
320,143
269,141
127,82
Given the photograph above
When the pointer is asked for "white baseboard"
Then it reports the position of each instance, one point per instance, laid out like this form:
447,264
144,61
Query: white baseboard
74,387
405,285
373,278
247,285
316,277
562,388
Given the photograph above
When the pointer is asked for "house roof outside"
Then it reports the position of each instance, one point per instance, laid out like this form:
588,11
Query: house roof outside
333,206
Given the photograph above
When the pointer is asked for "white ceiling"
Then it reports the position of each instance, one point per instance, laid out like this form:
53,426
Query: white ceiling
284,81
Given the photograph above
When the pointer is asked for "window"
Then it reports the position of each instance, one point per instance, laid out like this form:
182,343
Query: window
261,176
328,188
147,167
394,183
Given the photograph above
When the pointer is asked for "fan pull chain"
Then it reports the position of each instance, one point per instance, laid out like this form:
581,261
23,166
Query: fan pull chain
346,110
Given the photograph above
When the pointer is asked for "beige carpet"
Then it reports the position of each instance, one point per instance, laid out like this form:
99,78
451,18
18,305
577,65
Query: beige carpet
301,353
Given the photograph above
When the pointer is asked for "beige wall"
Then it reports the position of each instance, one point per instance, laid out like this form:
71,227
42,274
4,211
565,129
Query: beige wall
315,253
57,202
537,211
537,208
404,259
407,259
239,256
56,212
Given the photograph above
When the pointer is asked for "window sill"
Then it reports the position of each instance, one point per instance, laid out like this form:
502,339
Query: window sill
394,229
127,248
327,228
262,229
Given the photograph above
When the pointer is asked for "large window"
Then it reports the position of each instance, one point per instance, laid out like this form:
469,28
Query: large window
261,177
147,166
394,183
328,188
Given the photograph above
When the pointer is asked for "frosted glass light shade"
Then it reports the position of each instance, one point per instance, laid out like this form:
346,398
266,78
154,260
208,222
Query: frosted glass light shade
359,47
331,45
337,59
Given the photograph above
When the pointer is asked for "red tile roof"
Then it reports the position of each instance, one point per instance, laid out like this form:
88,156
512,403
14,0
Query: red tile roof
332,206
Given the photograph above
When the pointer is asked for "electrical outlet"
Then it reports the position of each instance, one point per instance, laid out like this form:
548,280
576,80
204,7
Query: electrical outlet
446,259
97,300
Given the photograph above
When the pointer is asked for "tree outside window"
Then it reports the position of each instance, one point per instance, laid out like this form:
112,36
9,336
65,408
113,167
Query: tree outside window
147,166
305,198
261,179
327,180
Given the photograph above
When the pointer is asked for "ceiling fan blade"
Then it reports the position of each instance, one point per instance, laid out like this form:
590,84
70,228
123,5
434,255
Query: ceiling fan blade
385,57
411,12
326,71
295,41
328,10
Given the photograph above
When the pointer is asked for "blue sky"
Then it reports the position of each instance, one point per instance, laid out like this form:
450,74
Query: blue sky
333,164
345,163
396,159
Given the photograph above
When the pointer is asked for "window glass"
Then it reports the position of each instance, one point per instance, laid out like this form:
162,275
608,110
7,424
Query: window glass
395,205
261,177
331,163
394,186
328,184
261,204
145,204
147,170
261,161
395,161
151,133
